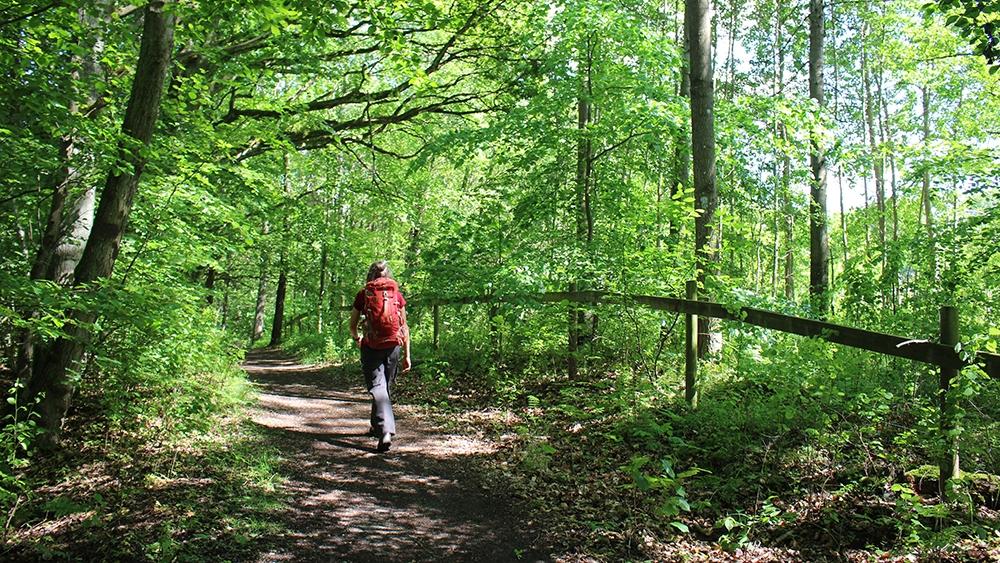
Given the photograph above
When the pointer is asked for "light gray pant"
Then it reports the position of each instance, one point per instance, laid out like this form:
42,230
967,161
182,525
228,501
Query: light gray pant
380,367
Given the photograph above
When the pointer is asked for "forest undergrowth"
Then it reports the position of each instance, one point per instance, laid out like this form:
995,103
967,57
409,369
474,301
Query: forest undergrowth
124,496
776,463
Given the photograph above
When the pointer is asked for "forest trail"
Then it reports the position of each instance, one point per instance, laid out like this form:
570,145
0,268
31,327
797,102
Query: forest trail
421,501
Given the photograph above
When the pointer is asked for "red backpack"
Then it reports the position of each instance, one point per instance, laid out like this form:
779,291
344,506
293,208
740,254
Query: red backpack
382,320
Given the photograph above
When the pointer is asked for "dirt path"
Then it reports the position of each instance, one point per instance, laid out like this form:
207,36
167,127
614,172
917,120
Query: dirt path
421,501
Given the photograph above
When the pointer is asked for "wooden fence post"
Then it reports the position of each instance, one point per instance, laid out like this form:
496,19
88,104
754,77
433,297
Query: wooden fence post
572,347
437,326
691,349
948,464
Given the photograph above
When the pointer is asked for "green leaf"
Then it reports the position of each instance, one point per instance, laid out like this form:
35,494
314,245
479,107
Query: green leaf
642,482
689,473
668,469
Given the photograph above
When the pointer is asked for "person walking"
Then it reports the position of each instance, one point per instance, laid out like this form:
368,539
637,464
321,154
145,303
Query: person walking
380,314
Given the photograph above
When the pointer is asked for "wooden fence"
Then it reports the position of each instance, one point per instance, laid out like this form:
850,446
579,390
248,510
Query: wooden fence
927,350
942,351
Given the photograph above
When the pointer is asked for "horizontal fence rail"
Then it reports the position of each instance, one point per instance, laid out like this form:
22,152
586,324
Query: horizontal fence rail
921,350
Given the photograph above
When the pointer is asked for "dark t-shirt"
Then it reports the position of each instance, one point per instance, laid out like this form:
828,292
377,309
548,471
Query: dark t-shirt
359,304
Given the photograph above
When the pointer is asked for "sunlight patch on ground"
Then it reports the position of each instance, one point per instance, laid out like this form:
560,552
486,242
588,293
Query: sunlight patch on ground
349,503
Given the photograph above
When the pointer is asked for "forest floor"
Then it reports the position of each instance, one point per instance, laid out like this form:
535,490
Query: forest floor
300,481
423,500
461,485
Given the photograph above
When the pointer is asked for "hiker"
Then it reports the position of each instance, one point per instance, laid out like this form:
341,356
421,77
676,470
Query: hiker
384,331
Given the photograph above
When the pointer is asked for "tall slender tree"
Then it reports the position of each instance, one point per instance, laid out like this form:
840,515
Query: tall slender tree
698,20
819,244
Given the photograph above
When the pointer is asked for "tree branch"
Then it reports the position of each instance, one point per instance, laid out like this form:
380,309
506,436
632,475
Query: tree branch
631,136
29,14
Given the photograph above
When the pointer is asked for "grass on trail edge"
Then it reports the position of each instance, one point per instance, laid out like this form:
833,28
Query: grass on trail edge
129,499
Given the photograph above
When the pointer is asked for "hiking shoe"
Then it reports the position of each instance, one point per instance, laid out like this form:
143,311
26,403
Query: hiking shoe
384,443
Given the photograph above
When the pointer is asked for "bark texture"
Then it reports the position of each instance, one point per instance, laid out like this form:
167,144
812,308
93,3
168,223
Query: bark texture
698,21
55,373
819,244
278,323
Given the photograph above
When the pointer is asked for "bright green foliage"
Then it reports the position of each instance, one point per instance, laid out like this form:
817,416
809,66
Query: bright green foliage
665,486
311,138
976,21
17,437
169,375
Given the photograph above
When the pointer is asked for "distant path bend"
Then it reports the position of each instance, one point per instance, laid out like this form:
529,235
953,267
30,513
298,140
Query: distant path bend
421,501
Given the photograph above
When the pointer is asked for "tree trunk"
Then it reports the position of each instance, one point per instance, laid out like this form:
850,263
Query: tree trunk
53,376
878,166
890,146
210,285
776,213
890,264
699,30
572,345
819,244
789,226
277,324
843,214
925,192
322,288
71,215
257,330
867,222
682,150
71,218
786,171
734,24
783,188
584,149
583,182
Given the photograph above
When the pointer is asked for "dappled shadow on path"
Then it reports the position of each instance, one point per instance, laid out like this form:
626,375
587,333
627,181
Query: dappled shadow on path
422,501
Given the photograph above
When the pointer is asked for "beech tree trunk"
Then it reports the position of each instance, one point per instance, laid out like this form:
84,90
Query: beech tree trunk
71,214
789,226
698,21
257,330
788,209
819,244
682,151
321,297
584,148
583,185
925,191
55,367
